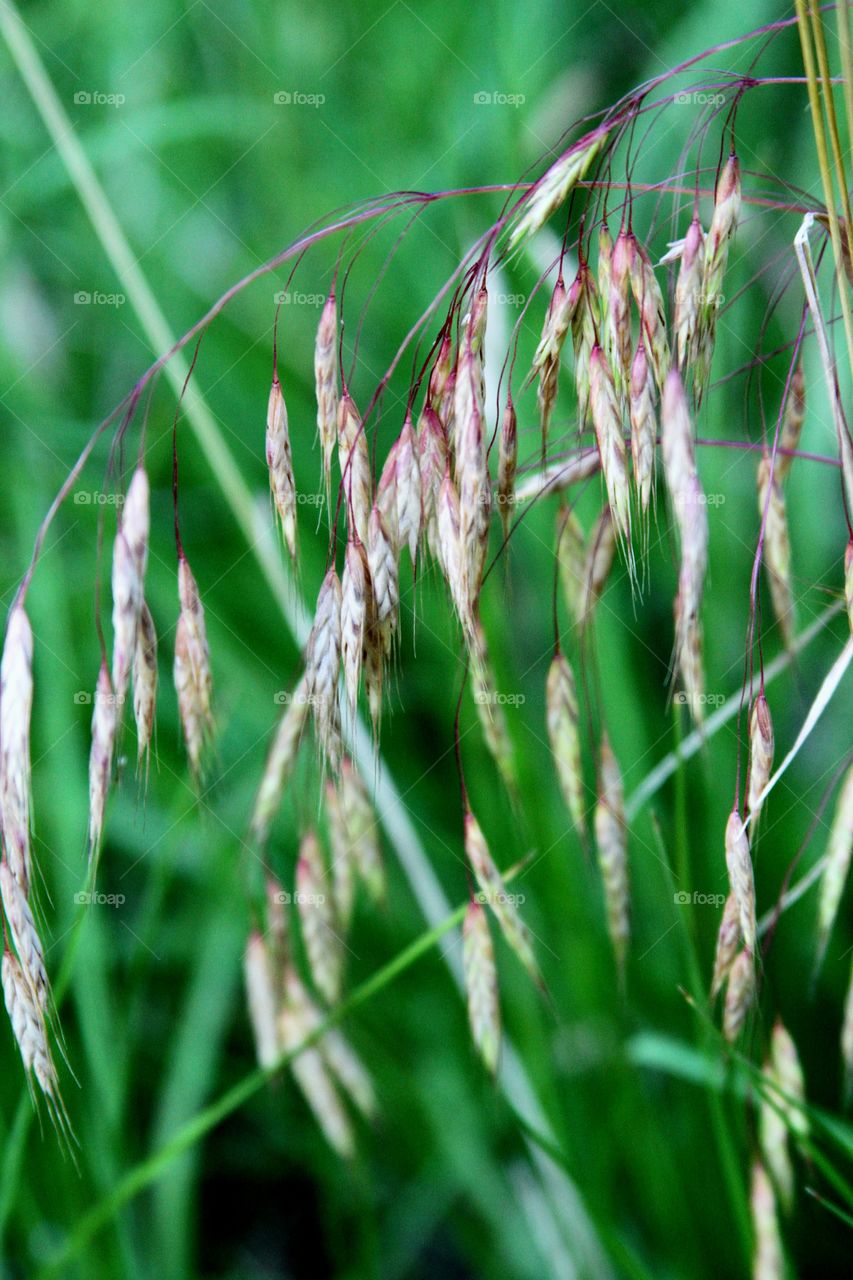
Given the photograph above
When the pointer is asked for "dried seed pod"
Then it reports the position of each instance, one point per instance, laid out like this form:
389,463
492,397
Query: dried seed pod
280,761
355,464
739,864
104,725
561,711
382,562
193,681
607,421
127,604
326,384
310,1072
740,993
24,933
28,1027
777,547
317,918
649,300
571,561
356,612
838,853
261,997
792,422
688,296
643,426
599,561
610,838
507,464
768,1262
728,942
489,708
553,187
493,892
144,682
760,756
323,660
409,499
546,360
16,703
280,465
432,461
481,985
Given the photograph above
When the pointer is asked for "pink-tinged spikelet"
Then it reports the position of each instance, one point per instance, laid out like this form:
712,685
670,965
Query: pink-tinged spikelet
607,421
384,570
612,845
144,681
356,615
768,1261
280,465
326,385
760,756
29,1027
494,893
280,761
16,703
507,464
104,726
409,498
546,360
24,934
554,186
739,864
315,903
432,462
481,985
728,942
355,464
740,994
643,426
688,296
323,661
193,681
563,722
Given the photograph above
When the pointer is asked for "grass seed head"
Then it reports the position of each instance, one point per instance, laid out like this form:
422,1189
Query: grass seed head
728,942
323,663
315,902
507,464
22,927
16,703
127,605
740,994
354,459
777,546
563,722
611,842
607,421
136,519
741,881
356,613
688,296
28,1026
481,985
643,426
280,761
280,465
326,385
104,727
409,497
554,186
384,570
760,755
144,681
788,1073
262,999
768,1261
193,680
495,895
792,421
432,462
649,302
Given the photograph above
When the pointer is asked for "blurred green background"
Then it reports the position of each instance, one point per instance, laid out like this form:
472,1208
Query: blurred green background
209,176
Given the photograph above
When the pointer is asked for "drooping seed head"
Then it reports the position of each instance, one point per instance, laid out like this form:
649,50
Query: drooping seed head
310,1071
280,465
649,301
688,295
598,563
382,562
740,993
481,985
773,1139
326,385
611,842
28,1026
607,421
356,611
432,461
760,755
789,1075
24,934
262,1000
739,865
104,726
127,605
584,306
546,360
728,942
193,681
554,186
354,458
450,547
777,546
563,722
618,329
643,426
362,828
495,895
792,422
323,660
316,907
440,376
409,498
281,760
507,464
768,1261
16,702
144,681
136,519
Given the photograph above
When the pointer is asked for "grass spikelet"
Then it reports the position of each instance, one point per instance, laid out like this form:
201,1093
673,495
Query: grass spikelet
136,519
386,494
507,464
554,186
323,662
834,878
618,329
144,682
740,993
317,918
688,296
489,708
280,761
584,308
768,1261
481,985
494,893
278,926
598,563
16,703
193,680
728,941
355,465
649,301
741,882
605,275
611,842
439,378
563,722
847,1036
450,547
104,726
30,1030
546,360
127,603
343,861
262,999
607,421
310,1071
382,562
788,1073
326,386
792,422
409,499
356,610
432,462
848,582
760,756
24,934
727,200
374,662
362,829
280,465
472,478
643,428
571,561
777,547
773,1138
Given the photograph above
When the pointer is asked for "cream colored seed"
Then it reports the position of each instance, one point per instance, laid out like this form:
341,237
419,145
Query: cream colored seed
688,290
643,426
768,1261
24,933
740,993
28,1026
760,755
481,985
356,612
610,838
554,186
611,443
104,725
262,1000
562,717
409,497
728,942
280,465
323,662
310,1073
144,681
495,894
355,465
382,562
739,864
127,603
16,701
326,385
